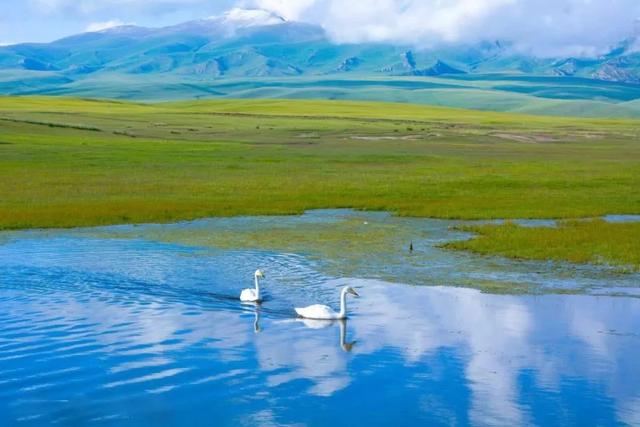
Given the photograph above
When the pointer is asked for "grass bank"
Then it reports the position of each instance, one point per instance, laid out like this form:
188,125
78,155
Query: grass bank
593,242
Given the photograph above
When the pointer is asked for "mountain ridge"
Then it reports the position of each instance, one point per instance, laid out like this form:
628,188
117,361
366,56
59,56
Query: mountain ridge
257,44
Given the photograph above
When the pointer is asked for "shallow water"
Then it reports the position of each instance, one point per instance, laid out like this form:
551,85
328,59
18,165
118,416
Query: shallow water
133,326
345,243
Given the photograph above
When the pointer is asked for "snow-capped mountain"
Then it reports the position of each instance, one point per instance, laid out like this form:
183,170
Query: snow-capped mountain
241,18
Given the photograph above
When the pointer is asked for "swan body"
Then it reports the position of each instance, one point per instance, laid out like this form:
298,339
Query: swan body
318,312
252,295
324,312
249,295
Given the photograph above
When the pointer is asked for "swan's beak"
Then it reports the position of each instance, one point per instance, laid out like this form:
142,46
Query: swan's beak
348,346
354,293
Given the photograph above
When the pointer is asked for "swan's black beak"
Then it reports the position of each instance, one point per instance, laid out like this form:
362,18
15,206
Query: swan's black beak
354,293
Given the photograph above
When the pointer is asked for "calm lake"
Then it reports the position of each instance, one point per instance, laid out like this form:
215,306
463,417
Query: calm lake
141,326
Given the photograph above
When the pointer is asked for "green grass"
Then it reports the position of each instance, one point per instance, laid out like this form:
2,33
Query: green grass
70,162
593,242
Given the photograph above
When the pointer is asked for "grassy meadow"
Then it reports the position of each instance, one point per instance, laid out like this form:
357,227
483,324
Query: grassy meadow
70,162
592,242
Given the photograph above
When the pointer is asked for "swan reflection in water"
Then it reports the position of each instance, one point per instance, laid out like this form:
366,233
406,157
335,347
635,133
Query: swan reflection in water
322,324
256,320
312,324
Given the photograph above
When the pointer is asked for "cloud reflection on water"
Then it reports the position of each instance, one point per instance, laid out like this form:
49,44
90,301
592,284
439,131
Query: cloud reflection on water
137,321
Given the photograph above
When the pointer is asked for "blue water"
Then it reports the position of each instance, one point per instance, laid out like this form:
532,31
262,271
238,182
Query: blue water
139,332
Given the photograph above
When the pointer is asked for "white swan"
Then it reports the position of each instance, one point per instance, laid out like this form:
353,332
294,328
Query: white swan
323,312
253,295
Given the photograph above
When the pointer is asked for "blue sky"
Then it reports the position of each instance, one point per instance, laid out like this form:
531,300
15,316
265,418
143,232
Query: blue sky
543,27
47,20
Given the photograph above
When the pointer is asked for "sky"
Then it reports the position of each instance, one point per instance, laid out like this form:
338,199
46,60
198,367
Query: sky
543,27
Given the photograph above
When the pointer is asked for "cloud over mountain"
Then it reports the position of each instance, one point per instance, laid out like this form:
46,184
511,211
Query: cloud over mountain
100,26
546,27
543,27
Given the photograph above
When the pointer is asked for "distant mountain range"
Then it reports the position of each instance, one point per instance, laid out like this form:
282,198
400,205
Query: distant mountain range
257,53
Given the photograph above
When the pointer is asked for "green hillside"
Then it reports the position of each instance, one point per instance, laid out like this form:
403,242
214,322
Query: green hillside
472,94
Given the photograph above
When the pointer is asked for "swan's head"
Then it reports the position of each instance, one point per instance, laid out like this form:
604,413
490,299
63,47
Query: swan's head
351,291
348,346
259,274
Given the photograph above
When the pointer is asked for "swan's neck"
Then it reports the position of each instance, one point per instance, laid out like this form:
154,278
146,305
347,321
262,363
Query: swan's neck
257,287
343,304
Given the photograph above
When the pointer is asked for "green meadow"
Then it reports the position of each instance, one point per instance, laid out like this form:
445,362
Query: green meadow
592,241
71,162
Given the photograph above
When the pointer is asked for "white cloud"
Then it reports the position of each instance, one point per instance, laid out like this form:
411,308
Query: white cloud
288,9
545,27
101,26
92,6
